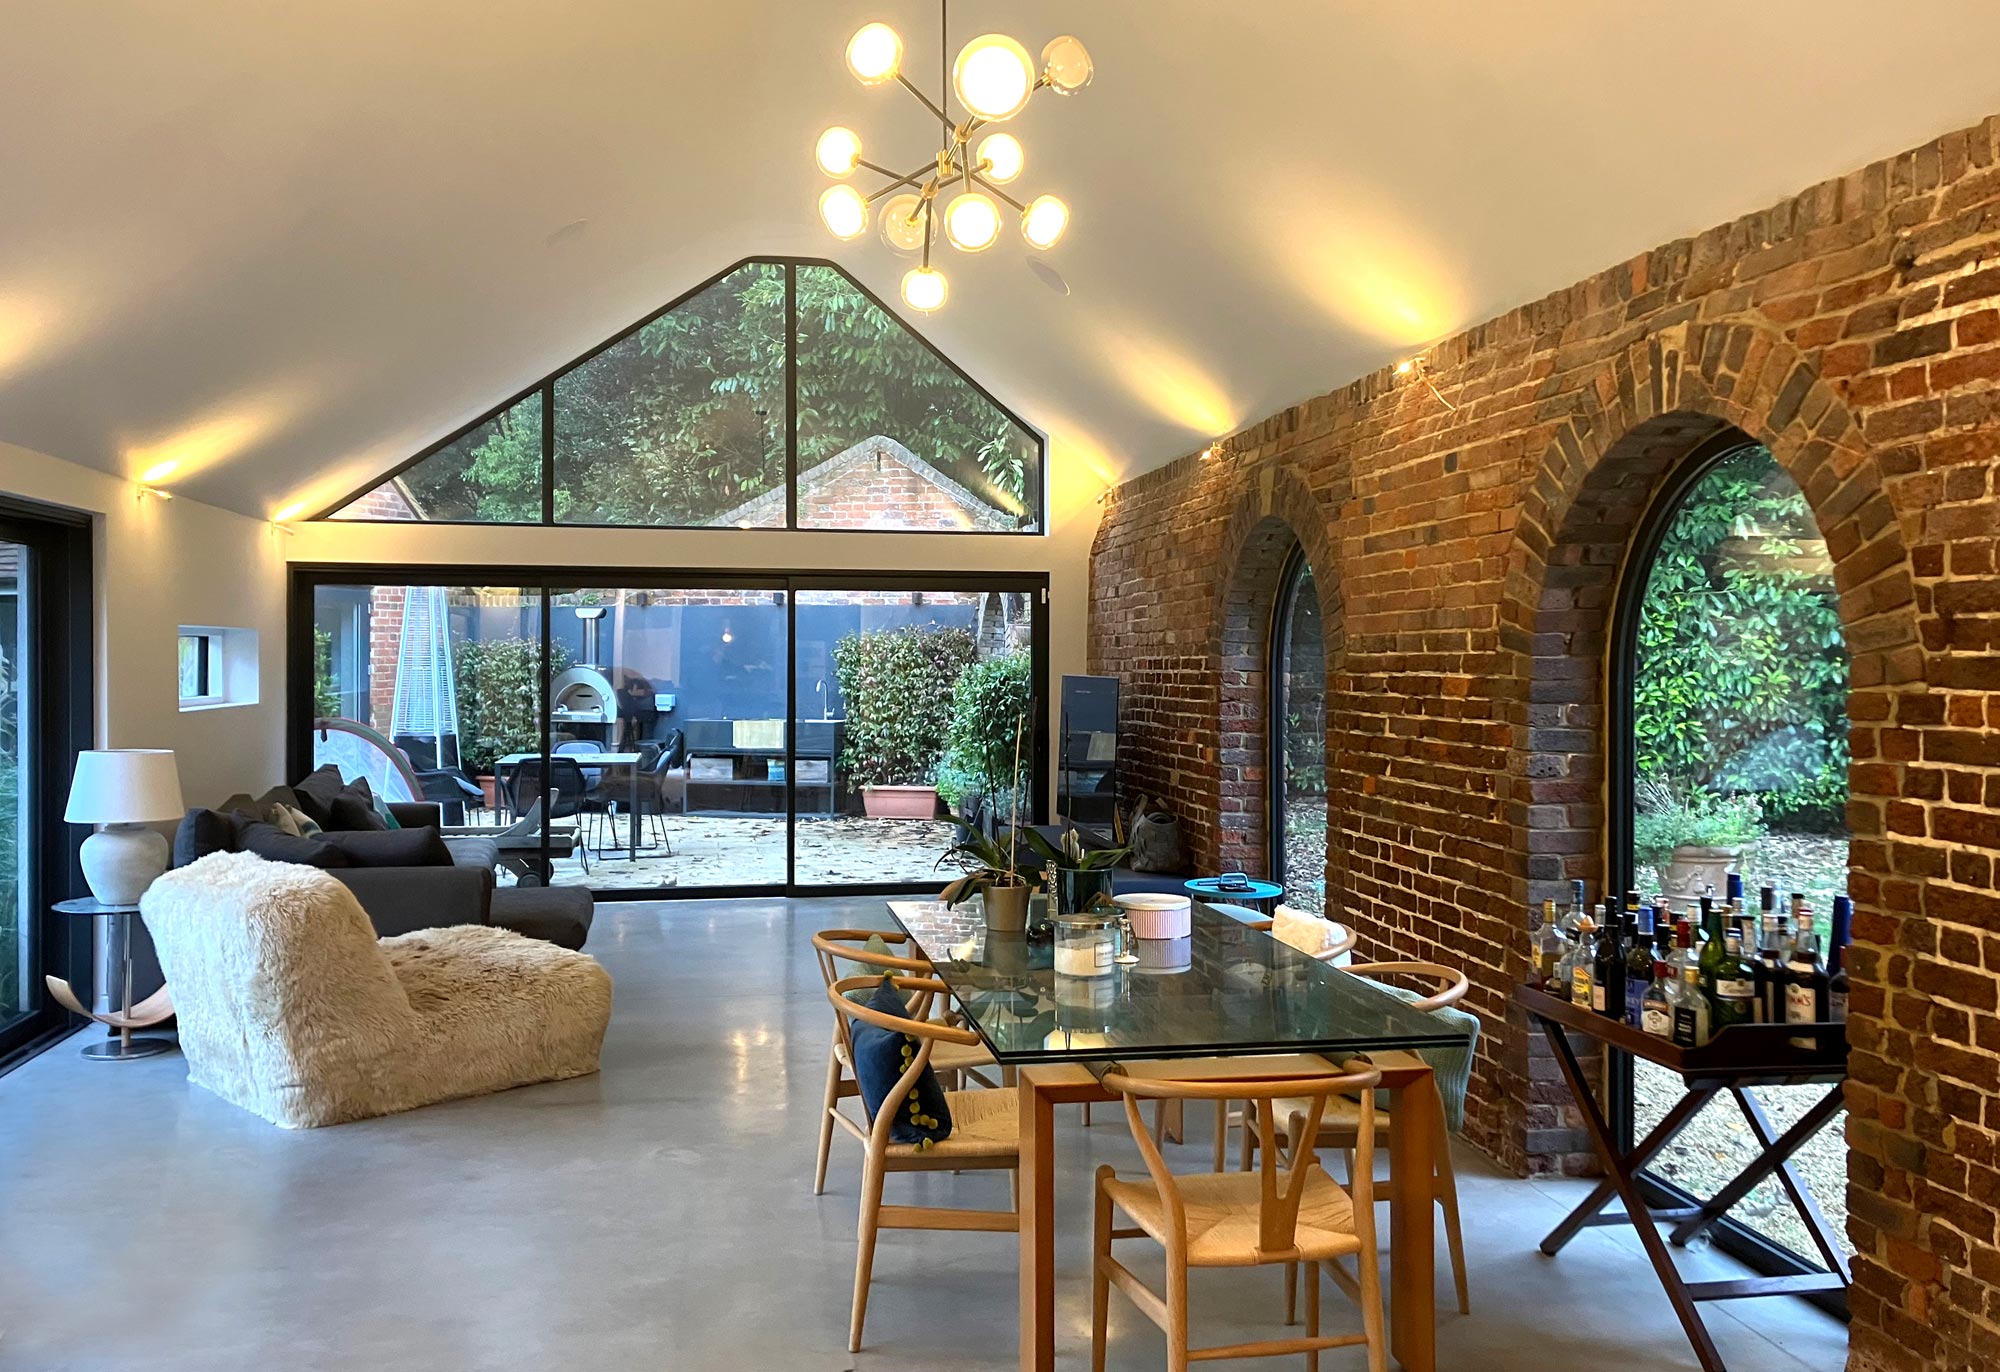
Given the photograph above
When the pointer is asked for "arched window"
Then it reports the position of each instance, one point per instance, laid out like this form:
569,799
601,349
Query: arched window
1298,738
1730,712
779,394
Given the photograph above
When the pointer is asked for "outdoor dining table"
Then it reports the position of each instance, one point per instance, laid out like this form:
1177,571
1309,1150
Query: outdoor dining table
630,761
1225,991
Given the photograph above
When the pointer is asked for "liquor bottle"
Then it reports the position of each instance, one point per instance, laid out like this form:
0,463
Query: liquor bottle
1806,987
1563,984
1549,946
1690,1002
1656,1010
1607,970
1799,907
1713,951
1836,959
1574,913
1663,929
1770,965
1582,991
1735,985
1733,889
1638,967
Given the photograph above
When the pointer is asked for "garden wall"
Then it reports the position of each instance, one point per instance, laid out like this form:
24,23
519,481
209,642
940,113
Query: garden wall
1466,560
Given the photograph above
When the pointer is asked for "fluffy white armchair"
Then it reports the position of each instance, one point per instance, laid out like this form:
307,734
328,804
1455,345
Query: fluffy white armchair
291,1008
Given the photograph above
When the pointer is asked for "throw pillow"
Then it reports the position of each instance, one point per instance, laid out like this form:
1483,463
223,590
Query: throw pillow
315,795
848,967
269,841
281,819
303,820
423,847
203,832
881,1056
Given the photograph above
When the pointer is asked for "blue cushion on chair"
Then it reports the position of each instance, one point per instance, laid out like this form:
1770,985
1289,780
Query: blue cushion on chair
881,1056
1451,1066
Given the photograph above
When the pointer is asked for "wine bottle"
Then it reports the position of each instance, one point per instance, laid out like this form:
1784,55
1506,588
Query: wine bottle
1690,1002
1582,992
1836,959
1549,945
1656,1011
1638,966
1607,971
1735,985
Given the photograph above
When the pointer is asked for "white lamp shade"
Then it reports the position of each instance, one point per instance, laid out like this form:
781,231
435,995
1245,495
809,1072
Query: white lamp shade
124,786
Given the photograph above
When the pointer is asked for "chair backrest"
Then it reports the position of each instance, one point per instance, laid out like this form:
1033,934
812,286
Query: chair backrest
848,996
845,953
565,778
580,747
1436,990
276,975
1282,1180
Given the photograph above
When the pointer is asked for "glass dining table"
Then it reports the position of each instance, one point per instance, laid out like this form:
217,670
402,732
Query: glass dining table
1227,990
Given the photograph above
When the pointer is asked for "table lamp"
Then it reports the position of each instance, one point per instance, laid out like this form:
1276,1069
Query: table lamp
124,789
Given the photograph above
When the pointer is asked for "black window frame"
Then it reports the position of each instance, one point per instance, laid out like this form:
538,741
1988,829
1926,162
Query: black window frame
1756,1251
546,387
552,580
59,701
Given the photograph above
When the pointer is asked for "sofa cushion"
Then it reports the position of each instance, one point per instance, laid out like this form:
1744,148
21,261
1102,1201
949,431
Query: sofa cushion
315,795
554,914
269,841
203,832
473,850
392,847
354,809
881,1056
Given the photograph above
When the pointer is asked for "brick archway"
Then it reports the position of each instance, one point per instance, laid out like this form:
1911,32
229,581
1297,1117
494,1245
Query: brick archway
1649,407
1276,515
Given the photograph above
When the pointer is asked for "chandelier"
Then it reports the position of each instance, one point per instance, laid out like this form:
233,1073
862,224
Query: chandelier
993,79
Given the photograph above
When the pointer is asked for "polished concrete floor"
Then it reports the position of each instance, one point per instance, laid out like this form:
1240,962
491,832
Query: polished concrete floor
658,1216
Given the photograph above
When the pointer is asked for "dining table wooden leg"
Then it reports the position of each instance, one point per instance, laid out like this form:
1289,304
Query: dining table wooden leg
1038,1226
1412,1228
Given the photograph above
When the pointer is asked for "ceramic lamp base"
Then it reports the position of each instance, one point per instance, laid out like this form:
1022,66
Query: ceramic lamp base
121,860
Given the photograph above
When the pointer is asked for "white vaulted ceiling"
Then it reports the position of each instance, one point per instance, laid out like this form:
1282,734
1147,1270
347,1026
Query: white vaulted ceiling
289,244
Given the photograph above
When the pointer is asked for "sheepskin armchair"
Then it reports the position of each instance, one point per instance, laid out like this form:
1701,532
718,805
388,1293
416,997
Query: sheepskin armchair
291,1008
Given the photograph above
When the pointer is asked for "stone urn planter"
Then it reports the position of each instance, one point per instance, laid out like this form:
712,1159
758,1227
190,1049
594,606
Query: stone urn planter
1689,871
899,802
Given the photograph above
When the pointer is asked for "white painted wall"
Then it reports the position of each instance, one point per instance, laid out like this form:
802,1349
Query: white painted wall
1064,554
159,565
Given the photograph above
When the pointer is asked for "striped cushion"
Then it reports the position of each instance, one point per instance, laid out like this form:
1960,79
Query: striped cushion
1451,1066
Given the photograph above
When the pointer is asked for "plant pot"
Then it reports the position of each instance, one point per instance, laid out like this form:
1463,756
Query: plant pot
899,802
489,791
1075,888
1006,907
1689,871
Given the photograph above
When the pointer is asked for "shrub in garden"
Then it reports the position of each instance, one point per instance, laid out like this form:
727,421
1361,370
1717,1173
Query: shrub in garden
897,687
989,699
499,698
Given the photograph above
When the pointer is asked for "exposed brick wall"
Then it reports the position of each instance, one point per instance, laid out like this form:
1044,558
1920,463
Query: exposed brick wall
1469,558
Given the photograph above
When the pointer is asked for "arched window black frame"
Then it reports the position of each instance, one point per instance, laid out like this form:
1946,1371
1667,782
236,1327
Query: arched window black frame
1737,1239
1291,581
1037,498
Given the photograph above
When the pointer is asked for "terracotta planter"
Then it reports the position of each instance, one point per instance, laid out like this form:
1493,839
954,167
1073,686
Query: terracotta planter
899,802
1690,871
489,791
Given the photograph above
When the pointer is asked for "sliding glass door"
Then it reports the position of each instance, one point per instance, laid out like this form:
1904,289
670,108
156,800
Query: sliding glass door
688,733
44,720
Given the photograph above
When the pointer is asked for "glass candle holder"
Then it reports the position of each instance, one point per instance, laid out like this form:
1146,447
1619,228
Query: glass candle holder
1087,943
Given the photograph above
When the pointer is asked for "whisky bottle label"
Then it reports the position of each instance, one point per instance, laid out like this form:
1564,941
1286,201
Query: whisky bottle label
1657,1021
1684,1027
1597,997
1801,1005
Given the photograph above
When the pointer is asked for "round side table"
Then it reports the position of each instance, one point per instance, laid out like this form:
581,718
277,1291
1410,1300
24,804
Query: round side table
1236,888
111,990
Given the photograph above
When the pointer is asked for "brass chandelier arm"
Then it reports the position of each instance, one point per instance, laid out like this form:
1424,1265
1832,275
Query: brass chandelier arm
928,104
914,179
988,186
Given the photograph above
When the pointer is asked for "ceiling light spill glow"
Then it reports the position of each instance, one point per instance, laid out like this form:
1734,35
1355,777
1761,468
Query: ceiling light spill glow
1001,155
844,211
874,54
1066,65
924,289
291,511
959,190
1045,220
972,222
838,151
160,471
993,77
1405,367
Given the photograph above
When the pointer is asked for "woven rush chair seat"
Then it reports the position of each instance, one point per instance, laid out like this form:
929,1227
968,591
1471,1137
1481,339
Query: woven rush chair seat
1223,1211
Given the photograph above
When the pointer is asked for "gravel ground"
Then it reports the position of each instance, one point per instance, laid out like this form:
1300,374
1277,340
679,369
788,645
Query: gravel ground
1305,852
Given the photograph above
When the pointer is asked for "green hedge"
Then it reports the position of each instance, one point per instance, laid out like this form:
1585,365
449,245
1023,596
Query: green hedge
896,686
1742,670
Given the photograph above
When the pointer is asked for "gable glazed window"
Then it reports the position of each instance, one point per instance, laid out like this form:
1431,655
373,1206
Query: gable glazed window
779,394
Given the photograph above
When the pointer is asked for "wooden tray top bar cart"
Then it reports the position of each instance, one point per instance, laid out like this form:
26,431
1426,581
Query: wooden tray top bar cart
1736,1059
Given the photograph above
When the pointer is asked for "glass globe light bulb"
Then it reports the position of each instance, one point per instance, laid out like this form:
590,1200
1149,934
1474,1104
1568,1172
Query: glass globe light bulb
903,226
1044,221
924,289
1003,151
972,222
993,77
874,54
844,211
1068,65
838,151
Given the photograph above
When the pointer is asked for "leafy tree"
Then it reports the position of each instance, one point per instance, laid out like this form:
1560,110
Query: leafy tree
897,687
988,701
1742,670
499,698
